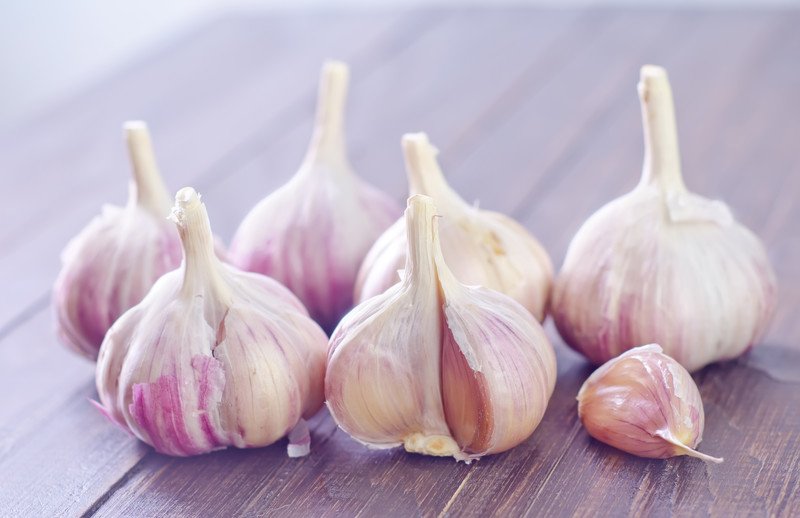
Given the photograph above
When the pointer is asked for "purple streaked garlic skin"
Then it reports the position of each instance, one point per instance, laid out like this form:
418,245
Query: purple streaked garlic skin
114,261
213,356
645,403
312,233
661,264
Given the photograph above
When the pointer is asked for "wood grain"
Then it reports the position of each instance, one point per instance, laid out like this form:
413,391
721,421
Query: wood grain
536,115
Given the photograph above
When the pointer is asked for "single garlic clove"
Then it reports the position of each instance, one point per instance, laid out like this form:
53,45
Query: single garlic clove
645,403
213,356
112,263
312,233
439,367
662,264
483,248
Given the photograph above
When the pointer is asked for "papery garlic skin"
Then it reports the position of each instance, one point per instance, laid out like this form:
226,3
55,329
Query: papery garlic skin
213,356
645,403
662,264
312,233
482,248
113,262
436,366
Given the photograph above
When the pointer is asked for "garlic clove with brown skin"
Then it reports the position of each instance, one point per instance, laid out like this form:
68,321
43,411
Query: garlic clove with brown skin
483,248
213,356
112,263
645,403
661,264
312,233
436,366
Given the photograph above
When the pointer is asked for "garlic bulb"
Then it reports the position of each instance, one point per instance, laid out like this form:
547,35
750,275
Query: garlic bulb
436,366
661,264
645,403
482,248
312,233
213,356
112,263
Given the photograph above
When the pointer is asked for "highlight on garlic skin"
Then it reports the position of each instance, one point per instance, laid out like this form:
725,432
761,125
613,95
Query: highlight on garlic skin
436,366
645,403
662,264
313,232
482,248
112,263
213,356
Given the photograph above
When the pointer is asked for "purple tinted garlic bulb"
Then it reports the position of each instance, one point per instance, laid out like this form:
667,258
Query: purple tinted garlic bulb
213,356
313,232
112,263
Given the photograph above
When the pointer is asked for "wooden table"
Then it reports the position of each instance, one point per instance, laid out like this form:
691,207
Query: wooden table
536,114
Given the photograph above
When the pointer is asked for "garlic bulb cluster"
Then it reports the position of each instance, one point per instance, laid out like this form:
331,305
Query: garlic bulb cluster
645,403
437,366
482,248
661,264
313,232
112,263
213,356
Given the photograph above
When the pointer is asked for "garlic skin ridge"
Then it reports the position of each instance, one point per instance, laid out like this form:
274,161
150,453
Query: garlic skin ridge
482,248
436,366
112,263
213,356
312,233
661,264
645,403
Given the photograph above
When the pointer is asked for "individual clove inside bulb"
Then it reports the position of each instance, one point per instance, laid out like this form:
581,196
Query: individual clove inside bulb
481,247
313,232
436,366
112,263
213,356
662,264
645,403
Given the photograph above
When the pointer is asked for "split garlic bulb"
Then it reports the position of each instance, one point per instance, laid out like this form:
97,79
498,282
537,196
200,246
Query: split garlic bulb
645,403
661,264
312,233
437,366
482,248
213,356
112,263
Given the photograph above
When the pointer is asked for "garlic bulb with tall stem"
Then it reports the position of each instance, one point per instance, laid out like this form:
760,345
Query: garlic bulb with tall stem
313,232
436,366
662,264
483,248
112,263
213,356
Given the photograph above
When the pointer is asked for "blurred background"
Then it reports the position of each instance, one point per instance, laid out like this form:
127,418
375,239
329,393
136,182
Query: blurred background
49,50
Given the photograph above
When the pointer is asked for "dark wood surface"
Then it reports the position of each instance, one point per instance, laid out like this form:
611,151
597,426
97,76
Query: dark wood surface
536,115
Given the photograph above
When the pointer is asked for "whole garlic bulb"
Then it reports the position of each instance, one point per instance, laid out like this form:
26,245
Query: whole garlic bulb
313,232
112,263
213,356
661,264
436,366
482,248
645,403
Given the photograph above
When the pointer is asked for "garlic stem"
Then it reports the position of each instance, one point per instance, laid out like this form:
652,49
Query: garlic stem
424,174
423,241
662,162
150,191
201,264
685,450
328,139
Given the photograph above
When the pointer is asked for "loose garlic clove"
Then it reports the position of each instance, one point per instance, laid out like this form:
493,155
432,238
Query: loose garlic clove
645,403
661,264
482,248
436,366
213,356
312,233
112,263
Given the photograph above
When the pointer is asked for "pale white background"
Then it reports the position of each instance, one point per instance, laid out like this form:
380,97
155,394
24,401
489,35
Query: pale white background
50,48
